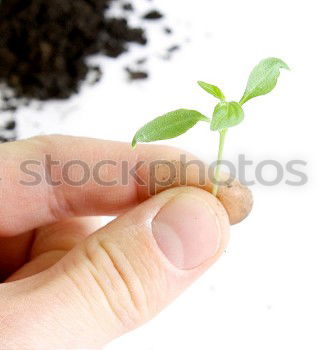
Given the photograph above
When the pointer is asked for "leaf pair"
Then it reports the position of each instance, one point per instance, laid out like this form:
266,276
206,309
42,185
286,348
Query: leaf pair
226,114
262,80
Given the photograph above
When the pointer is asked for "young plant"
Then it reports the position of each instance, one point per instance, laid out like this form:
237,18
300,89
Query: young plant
262,80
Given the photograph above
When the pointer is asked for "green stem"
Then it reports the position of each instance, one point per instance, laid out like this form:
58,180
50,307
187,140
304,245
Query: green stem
222,134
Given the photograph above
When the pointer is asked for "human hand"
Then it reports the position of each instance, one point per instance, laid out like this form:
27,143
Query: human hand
69,283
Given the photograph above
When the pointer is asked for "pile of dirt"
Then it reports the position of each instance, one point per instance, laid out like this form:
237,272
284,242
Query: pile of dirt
44,44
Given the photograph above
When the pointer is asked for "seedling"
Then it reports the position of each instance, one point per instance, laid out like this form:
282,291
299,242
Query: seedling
262,80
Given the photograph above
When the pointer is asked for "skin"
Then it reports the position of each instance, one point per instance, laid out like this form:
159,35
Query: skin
69,283
236,199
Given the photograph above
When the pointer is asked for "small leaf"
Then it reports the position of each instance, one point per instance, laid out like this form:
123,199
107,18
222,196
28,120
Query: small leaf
212,89
226,115
263,78
168,126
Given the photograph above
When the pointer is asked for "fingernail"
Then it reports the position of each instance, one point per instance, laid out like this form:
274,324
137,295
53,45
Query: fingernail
187,231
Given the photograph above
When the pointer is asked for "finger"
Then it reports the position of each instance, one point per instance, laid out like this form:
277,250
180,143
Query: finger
51,243
125,273
61,190
236,199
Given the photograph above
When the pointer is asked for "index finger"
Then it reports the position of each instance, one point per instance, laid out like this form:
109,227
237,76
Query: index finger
49,178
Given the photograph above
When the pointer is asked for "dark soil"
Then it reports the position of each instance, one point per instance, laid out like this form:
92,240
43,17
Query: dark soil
136,74
8,132
128,7
170,51
154,14
44,44
173,48
10,125
141,61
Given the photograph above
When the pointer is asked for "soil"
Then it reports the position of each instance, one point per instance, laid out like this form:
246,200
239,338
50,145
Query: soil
170,51
11,125
44,47
153,15
44,44
136,74
128,7
8,131
141,61
173,48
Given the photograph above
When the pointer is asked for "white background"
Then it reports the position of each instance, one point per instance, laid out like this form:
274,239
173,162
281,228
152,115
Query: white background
267,291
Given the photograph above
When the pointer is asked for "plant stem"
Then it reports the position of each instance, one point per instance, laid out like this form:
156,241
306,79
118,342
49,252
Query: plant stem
222,135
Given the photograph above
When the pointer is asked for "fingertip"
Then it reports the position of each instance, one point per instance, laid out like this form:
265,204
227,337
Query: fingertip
191,229
237,199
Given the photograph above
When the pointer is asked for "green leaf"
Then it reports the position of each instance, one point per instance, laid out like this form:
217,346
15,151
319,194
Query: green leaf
263,78
226,115
212,89
168,126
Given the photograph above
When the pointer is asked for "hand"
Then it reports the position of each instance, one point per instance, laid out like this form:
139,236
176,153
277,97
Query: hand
69,283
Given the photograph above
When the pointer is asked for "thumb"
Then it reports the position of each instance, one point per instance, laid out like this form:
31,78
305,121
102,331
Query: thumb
128,271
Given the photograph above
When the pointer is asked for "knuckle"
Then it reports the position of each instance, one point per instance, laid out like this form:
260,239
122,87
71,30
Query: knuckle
47,145
44,144
122,281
